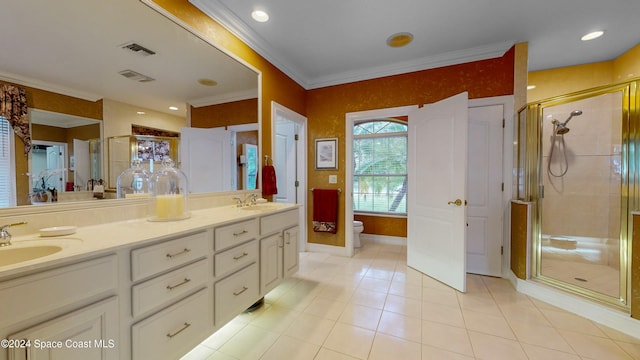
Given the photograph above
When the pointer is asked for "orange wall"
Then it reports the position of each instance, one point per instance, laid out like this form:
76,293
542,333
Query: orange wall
380,225
231,113
555,82
627,65
561,81
327,108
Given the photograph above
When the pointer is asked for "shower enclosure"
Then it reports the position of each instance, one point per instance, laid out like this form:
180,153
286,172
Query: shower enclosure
576,163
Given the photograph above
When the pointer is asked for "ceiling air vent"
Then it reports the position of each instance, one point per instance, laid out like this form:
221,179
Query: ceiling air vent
135,76
137,48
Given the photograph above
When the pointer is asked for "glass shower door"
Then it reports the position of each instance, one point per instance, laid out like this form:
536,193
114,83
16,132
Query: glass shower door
582,211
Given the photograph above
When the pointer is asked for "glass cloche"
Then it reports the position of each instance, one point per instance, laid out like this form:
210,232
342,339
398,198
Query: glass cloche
169,193
134,181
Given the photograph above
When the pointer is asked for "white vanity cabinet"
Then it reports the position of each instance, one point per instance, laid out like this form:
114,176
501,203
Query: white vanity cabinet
156,293
68,312
278,248
87,333
291,238
236,270
171,295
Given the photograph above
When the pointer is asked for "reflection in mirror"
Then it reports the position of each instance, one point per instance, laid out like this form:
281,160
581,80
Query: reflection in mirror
65,157
124,74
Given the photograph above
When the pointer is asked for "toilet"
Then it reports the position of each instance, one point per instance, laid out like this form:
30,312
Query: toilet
358,227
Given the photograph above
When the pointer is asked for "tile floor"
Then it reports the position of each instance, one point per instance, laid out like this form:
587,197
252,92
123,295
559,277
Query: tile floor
372,306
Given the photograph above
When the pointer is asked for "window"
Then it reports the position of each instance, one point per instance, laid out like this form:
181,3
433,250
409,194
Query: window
380,166
7,165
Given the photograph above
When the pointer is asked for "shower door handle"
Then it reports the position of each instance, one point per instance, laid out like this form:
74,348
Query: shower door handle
458,202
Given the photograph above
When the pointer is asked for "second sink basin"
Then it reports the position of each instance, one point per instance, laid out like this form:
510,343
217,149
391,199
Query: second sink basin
13,255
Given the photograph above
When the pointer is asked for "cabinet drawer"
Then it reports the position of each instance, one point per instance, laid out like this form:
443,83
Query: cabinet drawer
236,293
234,234
157,258
279,221
166,288
32,295
236,258
175,330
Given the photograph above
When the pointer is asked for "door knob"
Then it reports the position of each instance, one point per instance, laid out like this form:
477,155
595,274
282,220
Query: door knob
458,202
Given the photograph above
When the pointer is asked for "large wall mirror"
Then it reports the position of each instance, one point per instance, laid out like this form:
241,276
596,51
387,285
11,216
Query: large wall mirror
120,64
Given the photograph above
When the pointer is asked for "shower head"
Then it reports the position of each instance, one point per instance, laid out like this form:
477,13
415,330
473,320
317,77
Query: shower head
561,129
573,113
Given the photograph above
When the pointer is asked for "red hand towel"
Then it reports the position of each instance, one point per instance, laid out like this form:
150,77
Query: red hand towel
325,210
269,180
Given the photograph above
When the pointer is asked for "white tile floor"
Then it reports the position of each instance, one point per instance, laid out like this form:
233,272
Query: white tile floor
372,306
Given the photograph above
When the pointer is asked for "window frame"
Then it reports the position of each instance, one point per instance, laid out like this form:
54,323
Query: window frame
10,197
355,176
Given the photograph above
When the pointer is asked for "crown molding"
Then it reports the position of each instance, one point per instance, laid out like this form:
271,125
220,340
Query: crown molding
38,84
429,62
226,18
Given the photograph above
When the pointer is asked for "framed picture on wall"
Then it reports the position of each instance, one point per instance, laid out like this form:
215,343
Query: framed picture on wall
327,154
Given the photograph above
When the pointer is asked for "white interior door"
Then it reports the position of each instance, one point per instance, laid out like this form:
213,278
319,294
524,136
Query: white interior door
484,188
206,158
55,164
285,160
437,163
295,158
82,164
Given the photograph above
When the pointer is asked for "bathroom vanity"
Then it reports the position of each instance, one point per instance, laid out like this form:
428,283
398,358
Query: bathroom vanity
144,290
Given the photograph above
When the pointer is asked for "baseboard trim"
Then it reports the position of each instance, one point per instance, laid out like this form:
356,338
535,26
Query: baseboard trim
615,319
327,249
383,239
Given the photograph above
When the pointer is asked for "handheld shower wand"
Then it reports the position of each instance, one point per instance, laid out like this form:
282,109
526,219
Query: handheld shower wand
560,129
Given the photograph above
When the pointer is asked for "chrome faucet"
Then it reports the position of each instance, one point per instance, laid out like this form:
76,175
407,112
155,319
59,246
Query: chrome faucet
5,237
239,202
248,200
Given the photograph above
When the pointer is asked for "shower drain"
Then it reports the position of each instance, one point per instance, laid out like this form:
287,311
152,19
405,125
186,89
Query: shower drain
580,279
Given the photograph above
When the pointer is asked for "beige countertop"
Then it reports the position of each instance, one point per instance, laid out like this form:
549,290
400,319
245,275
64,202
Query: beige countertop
95,240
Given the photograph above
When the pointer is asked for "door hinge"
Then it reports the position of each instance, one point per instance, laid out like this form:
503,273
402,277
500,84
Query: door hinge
501,250
502,187
296,137
296,183
503,121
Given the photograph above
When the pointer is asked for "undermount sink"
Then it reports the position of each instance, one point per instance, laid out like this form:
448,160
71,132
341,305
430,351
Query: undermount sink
12,255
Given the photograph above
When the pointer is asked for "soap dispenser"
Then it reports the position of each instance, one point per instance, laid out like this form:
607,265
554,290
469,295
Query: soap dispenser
169,193
134,181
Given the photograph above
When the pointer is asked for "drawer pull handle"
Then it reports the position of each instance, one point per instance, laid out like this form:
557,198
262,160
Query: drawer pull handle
244,288
240,233
241,256
183,328
186,250
171,287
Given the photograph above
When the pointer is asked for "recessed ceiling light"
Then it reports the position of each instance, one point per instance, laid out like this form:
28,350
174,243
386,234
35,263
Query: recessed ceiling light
592,35
260,16
531,87
173,108
207,82
140,112
399,39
